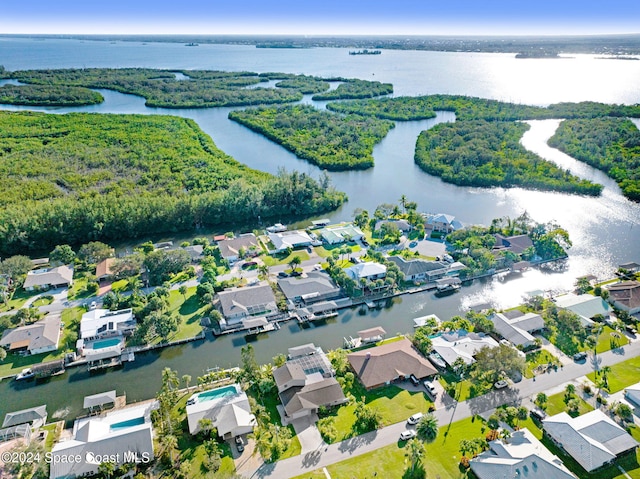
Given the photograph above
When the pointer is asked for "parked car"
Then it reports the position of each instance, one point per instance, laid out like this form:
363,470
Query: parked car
414,380
413,244
282,274
239,444
431,389
365,242
538,414
580,356
309,250
408,434
415,419
501,384
93,305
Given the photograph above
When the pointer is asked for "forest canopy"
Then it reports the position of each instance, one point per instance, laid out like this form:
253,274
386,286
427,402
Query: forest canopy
81,177
46,95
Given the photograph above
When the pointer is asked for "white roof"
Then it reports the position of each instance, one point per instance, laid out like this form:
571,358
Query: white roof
289,239
461,344
592,439
227,412
584,305
120,432
633,393
365,270
92,321
522,456
517,330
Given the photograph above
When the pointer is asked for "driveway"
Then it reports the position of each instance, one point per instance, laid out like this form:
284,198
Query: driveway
308,434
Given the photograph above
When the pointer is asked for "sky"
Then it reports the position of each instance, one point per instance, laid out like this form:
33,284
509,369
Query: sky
326,17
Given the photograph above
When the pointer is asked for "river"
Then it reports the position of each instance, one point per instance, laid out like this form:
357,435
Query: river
603,230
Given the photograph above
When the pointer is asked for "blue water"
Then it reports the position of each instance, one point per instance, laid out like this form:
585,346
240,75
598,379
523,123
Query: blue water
105,343
128,423
217,393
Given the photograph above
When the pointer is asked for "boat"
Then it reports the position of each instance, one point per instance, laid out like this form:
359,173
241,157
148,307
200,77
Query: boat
277,228
192,44
448,289
365,52
25,374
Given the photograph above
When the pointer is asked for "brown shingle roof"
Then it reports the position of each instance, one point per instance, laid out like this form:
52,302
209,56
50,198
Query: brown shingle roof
626,293
382,364
103,268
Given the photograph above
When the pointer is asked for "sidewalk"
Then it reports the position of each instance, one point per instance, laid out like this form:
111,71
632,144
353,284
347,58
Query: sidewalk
520,394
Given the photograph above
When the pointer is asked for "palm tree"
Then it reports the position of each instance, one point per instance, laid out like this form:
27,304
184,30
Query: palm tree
605,375
416,451
106,469
403,202
186,379
294,262
428,427
263,270
466,446
169,443
505,434
569,391
183,291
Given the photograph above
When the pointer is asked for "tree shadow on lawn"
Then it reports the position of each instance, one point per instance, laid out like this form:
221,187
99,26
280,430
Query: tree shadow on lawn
350,445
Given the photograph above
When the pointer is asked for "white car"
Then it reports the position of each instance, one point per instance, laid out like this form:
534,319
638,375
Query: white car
431,389
408,434
415,419
501,384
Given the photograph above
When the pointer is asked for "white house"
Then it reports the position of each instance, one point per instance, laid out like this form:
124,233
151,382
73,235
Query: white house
124,435
337,234
461,344
516,327
227,407
522,456
290,239
443,223
100,323
586,306
59,277
592,439
368,270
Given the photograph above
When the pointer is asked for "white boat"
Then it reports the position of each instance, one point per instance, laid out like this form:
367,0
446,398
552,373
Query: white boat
277,228
25,374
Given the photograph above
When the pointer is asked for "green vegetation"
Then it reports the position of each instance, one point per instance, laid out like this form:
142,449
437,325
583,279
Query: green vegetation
323,138
304,84
487,154
353,89
161,89
539,358
622,375
48,95
471,108
78,177
567,402
609,144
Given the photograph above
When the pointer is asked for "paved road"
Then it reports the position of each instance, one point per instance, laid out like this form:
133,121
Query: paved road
517,394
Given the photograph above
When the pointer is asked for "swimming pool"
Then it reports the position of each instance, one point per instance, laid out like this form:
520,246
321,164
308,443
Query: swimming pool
105,343
218,393
136,421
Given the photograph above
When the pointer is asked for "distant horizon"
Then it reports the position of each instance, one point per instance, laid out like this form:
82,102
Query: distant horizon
326,18
319,35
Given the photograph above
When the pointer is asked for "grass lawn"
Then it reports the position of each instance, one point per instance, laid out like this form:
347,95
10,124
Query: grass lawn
622,374
326,250
465,389
120,285
18,299
44,301
78,289
189,310
556,404
53,430
284,259
537,358
14,363
608,339
441,459
270,402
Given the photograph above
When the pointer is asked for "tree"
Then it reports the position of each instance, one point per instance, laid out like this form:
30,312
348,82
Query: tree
126,266
94,252
161,264
163,323
294,262
428,427
183,291
186,379
361,218
541,401
583,285
62,254
3,354
569,390
250,370
169,444
367,418
492,362
624,412
279,360
422,341
16,267
106,469
205,425
416,451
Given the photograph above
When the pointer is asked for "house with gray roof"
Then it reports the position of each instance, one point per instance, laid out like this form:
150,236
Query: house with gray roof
316,286
231,249
227,407
126,435
389,362
243,303
586,306
516,326
443,223
402,225
368,270
521,456
632,394
461,344
35,338
305,382
516,244
593,439
196,252
290,239
58,277
625,296
631,267
34,416
336,234
419,269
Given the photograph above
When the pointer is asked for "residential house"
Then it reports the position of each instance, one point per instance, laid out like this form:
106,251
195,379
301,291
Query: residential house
420,270
58,277
227,407
316,286
337,234
625,296
515,244
35,417
101,323
290,239
516,326
461,344
586,306
104,269
244,303
305,383
125,435
443,223
592,439
631,267
632,394
196,252
231,249
39,337
403,225
389,362
368,270
520,456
